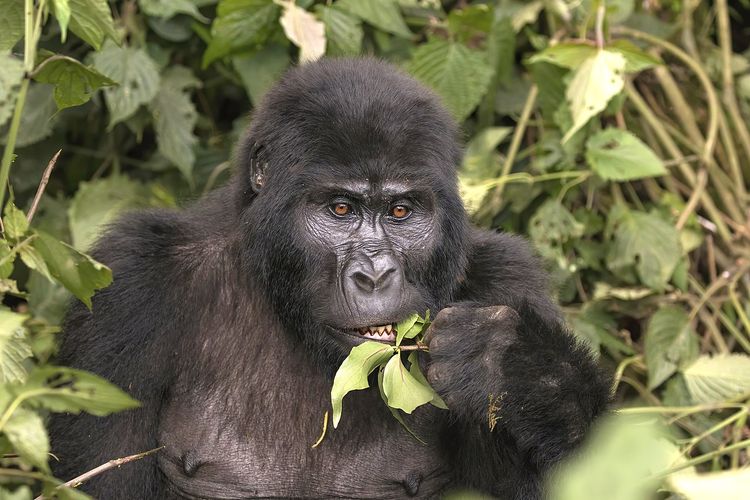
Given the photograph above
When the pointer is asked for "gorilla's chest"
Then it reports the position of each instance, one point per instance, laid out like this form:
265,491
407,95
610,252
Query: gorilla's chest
256,441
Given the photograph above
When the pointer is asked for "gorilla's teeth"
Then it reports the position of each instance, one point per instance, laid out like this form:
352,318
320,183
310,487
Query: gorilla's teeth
380,330
388,328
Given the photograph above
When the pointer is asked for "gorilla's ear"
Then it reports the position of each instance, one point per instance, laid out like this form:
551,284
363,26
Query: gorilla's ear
258,164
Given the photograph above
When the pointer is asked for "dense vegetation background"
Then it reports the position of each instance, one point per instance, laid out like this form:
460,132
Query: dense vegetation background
613,133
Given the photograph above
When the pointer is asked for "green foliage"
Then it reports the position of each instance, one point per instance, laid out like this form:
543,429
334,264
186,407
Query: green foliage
618,144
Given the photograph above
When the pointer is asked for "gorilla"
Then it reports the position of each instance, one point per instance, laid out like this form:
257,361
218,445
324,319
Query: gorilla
228,319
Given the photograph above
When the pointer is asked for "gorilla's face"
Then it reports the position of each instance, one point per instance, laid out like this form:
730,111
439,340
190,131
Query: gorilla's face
378,239
358,222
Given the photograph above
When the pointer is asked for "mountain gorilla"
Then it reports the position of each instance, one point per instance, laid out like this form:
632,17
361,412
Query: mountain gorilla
229,319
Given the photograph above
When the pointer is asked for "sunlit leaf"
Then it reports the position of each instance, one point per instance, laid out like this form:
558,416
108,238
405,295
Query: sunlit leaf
670,343
62,12
303,30
416,372
727,485
616,154
353,372
597,80
405,326
568,54
718,378
481,160
14,222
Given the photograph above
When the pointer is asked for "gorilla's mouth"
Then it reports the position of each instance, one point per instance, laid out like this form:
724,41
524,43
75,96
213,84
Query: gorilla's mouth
384,333
381,333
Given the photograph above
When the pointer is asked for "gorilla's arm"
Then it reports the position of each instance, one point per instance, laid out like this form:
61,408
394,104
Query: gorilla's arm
522,390
125,339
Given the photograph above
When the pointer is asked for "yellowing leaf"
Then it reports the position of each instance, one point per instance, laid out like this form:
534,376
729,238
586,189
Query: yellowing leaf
597,80
718,378
303,30
728,485
353,372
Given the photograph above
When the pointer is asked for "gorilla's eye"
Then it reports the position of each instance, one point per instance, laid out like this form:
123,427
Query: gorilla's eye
341,209
400,211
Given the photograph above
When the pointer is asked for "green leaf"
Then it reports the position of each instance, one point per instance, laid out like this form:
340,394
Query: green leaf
68,493
61,389
97,204
15,223
241,25
405,326
14,347
343,31
175,117
11,31
137,75
470,22
401,389
260,70
10,81
567,54
353,372
646,241
78,272
670,343
458,74
597,80
525,13
394,411
21,493
619,461
61,9
74,83
416,372
170,8
39,116
383,14
7,259
551,226
635,59
303,30
718,378
481,160
25,431
616,154
92,21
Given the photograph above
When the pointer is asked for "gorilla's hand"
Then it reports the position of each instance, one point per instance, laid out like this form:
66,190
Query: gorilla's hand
507,369
466,347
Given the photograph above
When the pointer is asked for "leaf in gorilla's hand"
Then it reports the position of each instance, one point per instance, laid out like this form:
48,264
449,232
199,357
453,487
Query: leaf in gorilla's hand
416,372
394,411
353,372
402,389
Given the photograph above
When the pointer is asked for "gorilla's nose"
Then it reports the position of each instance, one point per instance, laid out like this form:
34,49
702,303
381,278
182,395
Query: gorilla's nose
379,274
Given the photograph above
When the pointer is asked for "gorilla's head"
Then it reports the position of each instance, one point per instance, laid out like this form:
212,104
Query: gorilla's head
349,201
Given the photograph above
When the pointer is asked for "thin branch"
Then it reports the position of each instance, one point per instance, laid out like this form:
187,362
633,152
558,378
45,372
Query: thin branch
600,11
79,480
42,185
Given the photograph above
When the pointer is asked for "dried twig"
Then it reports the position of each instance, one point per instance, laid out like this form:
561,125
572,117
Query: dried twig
42,185
79,480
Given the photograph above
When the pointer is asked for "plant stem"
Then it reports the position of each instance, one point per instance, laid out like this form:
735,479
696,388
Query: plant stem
42,186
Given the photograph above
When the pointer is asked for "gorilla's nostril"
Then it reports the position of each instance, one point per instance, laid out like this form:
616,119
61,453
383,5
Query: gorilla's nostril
364,282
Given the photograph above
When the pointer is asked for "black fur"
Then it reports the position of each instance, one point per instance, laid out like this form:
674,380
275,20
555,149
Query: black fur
228,319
